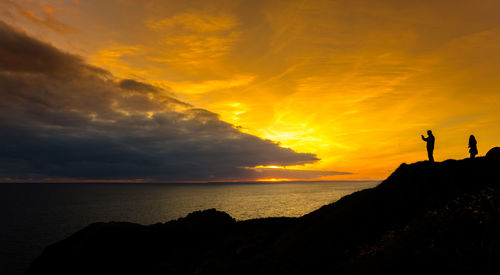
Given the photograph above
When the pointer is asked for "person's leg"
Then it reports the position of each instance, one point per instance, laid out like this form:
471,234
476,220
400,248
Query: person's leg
431,157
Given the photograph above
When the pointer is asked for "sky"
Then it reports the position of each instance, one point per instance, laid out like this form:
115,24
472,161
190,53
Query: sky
243,90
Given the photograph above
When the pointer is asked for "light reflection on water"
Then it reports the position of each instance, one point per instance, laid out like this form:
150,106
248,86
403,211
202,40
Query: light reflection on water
35,215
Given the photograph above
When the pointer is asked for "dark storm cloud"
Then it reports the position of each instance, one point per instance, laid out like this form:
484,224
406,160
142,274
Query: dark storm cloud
21,53
134,85
62,118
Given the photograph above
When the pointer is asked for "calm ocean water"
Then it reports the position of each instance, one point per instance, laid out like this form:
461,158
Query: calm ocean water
35,215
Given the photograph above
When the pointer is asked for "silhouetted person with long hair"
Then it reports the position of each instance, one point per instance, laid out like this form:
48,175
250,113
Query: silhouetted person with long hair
472,146
430,144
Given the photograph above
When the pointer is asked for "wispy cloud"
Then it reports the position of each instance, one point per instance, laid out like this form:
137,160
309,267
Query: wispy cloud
40,14
195,38
213,85
194,50
196,21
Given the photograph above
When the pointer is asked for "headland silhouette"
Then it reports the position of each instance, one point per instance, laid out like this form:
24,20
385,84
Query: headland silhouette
425,217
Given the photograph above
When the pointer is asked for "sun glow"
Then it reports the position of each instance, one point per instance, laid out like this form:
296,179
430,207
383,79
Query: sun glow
268,166
274,179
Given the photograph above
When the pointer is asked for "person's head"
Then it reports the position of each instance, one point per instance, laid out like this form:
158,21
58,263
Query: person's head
429,132
472,137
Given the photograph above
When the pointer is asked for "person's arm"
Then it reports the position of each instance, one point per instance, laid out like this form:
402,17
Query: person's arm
424,138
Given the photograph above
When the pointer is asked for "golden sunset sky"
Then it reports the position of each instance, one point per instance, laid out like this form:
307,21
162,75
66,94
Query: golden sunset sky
354,82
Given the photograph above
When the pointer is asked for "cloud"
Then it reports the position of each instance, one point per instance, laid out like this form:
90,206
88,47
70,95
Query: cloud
21,53
62,118
195,50
47,20
194,39
133,85
208,86
38,14
194,21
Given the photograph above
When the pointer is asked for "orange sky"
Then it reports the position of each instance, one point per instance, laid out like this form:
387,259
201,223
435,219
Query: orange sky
355,82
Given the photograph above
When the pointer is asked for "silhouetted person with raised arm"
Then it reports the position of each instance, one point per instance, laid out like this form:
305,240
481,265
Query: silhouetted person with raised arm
472,146
430,144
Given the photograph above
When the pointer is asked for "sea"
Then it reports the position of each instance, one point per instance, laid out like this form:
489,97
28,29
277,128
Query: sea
34,215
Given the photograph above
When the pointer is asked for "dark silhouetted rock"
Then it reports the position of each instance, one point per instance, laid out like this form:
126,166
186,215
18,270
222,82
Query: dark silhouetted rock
426,217
494,153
